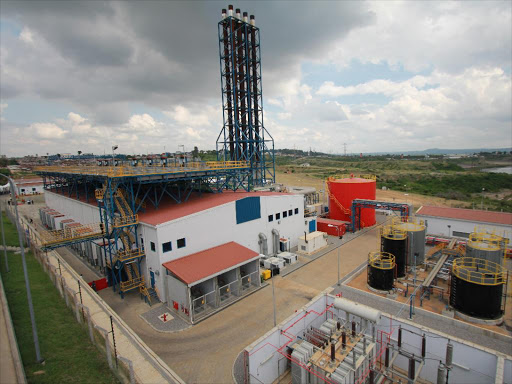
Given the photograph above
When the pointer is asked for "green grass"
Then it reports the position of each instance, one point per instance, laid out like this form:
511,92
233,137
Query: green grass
69,355
11,235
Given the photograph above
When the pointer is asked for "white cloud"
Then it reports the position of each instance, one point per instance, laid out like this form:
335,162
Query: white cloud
76,118
420,35
143,123
183,115
27,36
48,130
3,107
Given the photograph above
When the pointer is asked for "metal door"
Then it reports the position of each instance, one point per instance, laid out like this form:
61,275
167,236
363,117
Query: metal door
312,226
152,278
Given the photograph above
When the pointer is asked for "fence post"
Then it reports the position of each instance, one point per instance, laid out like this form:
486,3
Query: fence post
107,345
77,308
130,368
89,323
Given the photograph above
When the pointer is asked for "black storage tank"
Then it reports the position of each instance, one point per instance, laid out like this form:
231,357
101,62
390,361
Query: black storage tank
394,240
381,270
476,288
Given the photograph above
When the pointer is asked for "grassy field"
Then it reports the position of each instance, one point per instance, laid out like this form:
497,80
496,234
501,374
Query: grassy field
69,355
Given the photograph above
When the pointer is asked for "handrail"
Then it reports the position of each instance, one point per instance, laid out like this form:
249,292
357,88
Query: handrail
393,232
479,271
381,260
125,221
346,211
132,283
351,176
490,240
122,170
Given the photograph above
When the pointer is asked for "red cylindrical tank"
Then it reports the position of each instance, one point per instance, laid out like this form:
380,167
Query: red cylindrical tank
343,191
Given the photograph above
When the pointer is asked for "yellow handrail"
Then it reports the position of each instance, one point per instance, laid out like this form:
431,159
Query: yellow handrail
381,260
125,221
132,283
122,171
393,232
331,195
479,271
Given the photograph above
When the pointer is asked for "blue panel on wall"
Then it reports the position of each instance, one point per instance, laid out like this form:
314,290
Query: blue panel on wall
248,209
312,226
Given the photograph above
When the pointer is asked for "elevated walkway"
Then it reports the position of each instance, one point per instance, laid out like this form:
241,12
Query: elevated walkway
69,236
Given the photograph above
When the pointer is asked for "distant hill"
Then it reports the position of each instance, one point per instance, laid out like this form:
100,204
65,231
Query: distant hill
442,151
431,151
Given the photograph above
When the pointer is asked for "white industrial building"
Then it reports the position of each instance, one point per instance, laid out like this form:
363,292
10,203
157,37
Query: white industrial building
243,224
29,186
459,222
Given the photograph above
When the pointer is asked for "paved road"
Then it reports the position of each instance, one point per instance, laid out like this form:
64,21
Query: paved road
206,352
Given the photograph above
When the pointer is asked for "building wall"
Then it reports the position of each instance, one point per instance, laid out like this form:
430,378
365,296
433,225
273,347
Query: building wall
74,209
201,230
216,226
29,189
439,226
471,364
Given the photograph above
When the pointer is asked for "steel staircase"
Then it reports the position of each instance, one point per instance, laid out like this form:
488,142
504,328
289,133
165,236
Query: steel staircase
127,258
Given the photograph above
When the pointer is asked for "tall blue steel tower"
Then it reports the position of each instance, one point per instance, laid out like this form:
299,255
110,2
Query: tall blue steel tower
243,136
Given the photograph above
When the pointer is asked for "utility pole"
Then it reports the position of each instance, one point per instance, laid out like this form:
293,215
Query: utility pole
339,246
345,149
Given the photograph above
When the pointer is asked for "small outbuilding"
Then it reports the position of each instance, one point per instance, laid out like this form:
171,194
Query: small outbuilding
202,283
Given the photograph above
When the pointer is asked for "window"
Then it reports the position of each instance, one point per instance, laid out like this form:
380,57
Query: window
270,218
22,189
460,234
278,216
153,248
303,247
285,214
33,189
296,211
290,212
181,243
166,247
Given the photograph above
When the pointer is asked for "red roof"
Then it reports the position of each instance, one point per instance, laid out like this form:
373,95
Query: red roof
331,221
169,210
467,214
210,262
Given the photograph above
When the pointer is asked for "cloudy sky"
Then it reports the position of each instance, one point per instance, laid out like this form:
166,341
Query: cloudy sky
379,76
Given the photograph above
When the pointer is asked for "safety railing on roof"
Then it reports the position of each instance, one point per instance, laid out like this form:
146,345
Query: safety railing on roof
381,260
487,241
393,232
479,271
351,176
123,171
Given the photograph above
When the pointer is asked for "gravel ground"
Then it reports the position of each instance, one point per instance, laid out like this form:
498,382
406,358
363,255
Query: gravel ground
238,368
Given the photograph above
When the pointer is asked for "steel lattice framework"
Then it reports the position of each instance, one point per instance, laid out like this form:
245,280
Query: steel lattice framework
122,192
243,136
